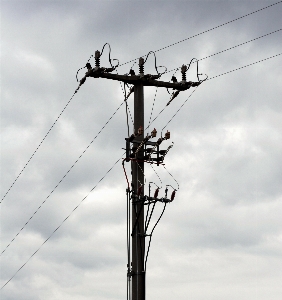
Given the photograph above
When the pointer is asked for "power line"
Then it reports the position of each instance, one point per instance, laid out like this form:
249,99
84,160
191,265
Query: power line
39,207
62,223
208,30
39,145
244,66
233,47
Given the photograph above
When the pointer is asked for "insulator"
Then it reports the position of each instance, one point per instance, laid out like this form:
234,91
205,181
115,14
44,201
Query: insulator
88,66
97,59
183,71
139,190
174,79
167,135
131,72
134,149
156,193
172,195
140,130
154,133
162,152
141,65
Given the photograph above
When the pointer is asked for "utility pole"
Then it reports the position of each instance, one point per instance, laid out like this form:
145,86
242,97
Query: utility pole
137,156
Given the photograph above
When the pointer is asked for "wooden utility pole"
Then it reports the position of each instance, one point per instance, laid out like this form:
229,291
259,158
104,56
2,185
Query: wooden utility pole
137,268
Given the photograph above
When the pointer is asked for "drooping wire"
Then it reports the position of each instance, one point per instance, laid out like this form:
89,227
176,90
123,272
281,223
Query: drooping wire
40,206
180,108
110,60
39,145
152,107
156,68
63,221
172,178
157,175
208,30
150,239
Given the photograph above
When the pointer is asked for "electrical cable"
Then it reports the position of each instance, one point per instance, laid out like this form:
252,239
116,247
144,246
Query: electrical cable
152,234
225,73
172,178
156,68
233,47
39,145
152,107
83,152
179,108
62,222
208,30
251,64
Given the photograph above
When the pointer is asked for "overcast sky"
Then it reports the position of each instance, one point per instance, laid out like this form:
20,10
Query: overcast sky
222,236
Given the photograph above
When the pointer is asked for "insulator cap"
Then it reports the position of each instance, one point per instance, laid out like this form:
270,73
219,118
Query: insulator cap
167,135
183,69
141,61
172,195
97,54
154,133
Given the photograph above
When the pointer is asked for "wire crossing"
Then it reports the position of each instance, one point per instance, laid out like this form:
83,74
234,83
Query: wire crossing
208,30
62,222
39,145
39,207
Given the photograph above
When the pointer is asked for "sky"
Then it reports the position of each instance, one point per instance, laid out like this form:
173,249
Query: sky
65,223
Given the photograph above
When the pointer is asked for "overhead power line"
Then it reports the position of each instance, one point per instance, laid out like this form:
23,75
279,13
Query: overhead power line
230,48
39,146
62,222
208,30
251,64
39,207
225,73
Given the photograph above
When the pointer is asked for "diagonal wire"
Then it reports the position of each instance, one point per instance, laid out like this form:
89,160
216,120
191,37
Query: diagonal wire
180,107
39,207
225,73
233,47
153,107
211,29
61,223
39,145
251,64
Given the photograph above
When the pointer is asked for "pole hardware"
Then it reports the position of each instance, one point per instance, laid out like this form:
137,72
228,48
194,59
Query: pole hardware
141,149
